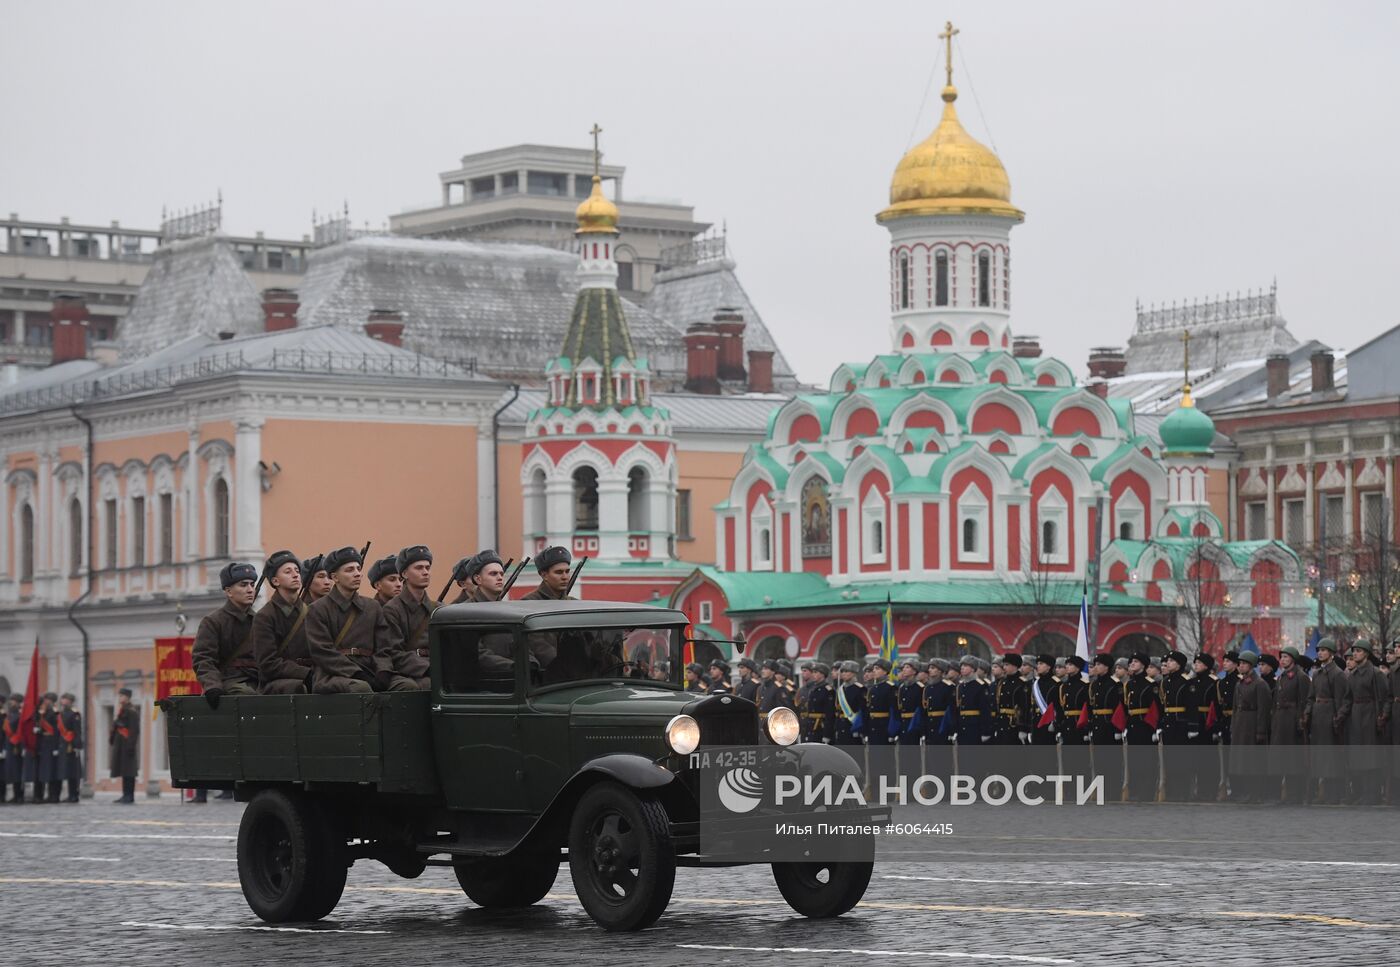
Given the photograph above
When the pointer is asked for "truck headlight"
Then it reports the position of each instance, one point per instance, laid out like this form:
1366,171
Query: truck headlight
683,735
782,726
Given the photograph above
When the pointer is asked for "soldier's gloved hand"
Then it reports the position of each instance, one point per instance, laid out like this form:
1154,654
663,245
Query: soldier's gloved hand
212,696
382,679
1023,736
986,738
1157,736
1192,735
1118,736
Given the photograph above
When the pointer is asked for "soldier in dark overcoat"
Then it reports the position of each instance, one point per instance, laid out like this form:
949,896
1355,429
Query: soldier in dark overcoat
1323,724
124,746
1287,764
1249,730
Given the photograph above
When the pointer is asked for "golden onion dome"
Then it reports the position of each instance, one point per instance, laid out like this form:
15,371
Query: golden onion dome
597,214
950,173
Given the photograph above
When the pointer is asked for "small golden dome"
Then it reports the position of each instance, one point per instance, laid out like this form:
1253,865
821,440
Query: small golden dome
597,214
950,173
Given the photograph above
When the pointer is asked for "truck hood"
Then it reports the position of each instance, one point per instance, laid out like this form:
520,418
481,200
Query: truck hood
600,702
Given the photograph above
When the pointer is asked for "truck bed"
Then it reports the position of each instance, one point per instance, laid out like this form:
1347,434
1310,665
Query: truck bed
383,740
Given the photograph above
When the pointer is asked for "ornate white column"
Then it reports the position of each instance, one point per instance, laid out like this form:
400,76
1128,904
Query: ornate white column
612,520
247,491
559,511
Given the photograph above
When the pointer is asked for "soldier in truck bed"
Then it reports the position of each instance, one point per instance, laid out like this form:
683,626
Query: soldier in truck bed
386,580
347,635
481,577
408,615
314,577
553,564
279,630
223,646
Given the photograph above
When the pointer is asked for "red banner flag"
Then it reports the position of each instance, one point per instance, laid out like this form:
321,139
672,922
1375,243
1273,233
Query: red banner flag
1083,721
29,711
175,668
1152,718
1120,719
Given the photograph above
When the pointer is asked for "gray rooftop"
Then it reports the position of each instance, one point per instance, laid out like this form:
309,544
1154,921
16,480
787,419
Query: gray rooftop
690,412
505,304
1223,330
1239,382
194,286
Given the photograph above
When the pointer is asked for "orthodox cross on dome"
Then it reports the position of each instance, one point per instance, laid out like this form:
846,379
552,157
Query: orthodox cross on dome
595,131
1186,367
949,32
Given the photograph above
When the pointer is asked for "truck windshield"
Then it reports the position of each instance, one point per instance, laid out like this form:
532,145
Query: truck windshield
582,654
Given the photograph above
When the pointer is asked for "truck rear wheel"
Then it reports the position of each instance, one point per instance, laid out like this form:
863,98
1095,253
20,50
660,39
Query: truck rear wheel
496,883
291,858
621,856
822,890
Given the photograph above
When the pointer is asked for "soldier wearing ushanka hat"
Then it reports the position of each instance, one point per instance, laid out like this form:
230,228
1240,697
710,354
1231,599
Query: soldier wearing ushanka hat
279,630
385,579
408,614
1287,760
695,678
748,683
482,577
222,655
1249,731
818,712
1367,715
347,634
554,565
719,677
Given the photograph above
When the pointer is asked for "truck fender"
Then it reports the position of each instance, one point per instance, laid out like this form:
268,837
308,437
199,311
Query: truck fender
633,771
636,771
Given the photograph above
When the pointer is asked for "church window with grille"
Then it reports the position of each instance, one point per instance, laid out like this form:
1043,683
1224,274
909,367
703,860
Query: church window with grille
984,279
904,281
940,279
585,499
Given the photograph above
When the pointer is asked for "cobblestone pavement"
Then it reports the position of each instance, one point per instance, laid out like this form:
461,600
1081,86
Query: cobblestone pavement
157,884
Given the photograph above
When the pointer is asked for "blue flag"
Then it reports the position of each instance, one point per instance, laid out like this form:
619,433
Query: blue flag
1311,651
889,651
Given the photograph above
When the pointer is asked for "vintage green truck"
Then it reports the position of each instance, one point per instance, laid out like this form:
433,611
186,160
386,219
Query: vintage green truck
542,738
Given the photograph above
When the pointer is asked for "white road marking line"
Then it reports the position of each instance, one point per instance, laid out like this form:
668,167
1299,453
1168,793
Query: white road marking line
219,926
969,879
170,836
1341,863
947,954
92,859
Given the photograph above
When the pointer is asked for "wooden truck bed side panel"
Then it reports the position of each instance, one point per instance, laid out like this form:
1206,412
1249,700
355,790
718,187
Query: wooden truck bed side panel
383,740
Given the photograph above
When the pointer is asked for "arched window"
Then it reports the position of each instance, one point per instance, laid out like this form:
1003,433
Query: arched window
1049,539
637,500
536,512
585,499
75,537
221,528
1125,531
872,513
940,279
841,646
761,534
953,645
969,535
26,543
904,281
984,279
773,646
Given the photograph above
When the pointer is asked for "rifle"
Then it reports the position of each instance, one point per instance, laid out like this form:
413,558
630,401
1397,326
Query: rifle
315,566
510,582
574,577
451,578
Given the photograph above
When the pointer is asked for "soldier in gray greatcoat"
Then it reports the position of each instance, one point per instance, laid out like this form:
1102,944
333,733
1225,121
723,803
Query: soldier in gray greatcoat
125,744
1286,750
1394,732
1249,729
1367,722
1322,724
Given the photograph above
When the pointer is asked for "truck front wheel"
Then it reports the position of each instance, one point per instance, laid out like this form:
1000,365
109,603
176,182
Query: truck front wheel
495,883
291,859
822,890
621,856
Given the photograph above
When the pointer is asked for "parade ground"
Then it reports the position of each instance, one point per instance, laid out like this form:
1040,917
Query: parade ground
1130,884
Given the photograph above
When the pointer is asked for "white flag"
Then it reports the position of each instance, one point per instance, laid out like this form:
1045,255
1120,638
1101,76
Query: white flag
1081,640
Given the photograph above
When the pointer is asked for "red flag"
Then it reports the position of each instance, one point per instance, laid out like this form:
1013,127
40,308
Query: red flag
28,712
1210,717
1120,719
1083,721
687,649
1152,717
1046,717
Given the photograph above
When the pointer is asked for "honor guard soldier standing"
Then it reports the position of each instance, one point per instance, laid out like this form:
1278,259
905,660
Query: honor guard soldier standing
481,577
1049,689
408,614
782,677
124,746
818,715
909,703
879,703
850,703
223,646
1367,716
553,565
385,579
1229,664
1180,725
938,704
748,685
1286,751
279,630
695,677
1011,702
14,750
1141,700
1249,730
70,730
1322,718
768,688
1205,696
48,749
346,634
719,678
1110,718
973,704
1075,719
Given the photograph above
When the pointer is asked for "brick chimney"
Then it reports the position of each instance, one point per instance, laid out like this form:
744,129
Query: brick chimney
386,325
1321,371
702,345
1025,347
760,370
69,320
1107,362
1098,387
730,325
279,309
1276,368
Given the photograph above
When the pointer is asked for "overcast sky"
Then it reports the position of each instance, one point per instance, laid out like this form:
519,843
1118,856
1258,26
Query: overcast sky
1160,151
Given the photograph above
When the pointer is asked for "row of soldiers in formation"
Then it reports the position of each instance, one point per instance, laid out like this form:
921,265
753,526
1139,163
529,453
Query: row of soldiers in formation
1260,728
49,756
318,633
